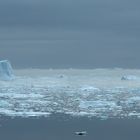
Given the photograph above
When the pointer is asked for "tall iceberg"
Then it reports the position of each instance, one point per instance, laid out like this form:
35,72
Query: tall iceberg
6,71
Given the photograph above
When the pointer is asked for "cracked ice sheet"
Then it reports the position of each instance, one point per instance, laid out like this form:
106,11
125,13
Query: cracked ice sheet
98,93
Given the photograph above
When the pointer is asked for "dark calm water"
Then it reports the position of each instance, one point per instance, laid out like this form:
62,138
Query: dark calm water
60,127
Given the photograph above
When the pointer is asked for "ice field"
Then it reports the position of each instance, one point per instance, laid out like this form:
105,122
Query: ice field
102,93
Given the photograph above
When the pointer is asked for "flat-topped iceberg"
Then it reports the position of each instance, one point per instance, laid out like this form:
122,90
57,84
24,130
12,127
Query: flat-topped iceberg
6,71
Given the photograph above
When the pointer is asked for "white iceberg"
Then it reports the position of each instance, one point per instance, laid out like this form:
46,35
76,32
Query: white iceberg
130,77
6,71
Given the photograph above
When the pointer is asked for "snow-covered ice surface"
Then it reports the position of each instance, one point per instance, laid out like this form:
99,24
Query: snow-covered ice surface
96,93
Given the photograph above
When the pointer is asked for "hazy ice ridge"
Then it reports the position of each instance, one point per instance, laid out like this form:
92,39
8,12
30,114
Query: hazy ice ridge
98,93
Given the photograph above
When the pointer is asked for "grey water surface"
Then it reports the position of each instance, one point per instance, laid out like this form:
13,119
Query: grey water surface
61,127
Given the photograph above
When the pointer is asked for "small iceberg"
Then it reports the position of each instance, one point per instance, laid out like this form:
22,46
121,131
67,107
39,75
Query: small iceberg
6,71
130,77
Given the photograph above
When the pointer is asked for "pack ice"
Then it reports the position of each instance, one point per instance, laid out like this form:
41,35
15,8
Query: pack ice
95,93
6,71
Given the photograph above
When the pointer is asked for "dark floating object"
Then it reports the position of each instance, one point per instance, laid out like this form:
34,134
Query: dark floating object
82,133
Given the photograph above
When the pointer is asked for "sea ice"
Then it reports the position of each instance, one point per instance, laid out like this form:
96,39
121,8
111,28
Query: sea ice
96,93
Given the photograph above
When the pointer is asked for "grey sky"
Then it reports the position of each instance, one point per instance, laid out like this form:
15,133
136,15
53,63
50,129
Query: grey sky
70,33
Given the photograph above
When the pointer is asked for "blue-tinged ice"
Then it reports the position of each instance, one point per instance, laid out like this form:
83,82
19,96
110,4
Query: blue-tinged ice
6,71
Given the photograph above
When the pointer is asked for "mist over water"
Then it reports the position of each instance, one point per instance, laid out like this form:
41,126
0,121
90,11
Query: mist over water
70,34
68,49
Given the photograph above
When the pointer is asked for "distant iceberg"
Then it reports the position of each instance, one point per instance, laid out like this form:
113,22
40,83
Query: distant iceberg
130,77
6,71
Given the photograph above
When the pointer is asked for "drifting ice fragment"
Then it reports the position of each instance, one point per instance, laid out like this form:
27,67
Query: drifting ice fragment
89,88
6,71
130,77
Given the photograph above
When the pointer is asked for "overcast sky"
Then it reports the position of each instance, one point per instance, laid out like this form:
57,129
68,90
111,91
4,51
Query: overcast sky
70,33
